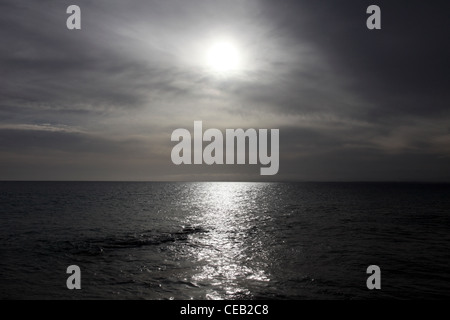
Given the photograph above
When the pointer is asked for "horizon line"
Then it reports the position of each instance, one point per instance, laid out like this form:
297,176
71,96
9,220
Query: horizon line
228,181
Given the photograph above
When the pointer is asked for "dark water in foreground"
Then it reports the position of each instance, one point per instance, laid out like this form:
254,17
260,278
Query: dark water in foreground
224,240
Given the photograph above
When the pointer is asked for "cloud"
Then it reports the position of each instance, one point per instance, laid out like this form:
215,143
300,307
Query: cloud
397,70
348,101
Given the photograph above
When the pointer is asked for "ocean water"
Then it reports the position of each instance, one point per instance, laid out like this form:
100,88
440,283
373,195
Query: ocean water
224,240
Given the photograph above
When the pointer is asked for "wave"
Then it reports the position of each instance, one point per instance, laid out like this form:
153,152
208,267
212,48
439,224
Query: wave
97,246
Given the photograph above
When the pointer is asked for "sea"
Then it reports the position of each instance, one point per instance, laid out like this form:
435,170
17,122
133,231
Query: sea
224,240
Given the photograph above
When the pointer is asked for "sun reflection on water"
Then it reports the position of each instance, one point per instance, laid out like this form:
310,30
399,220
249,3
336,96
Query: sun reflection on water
231,253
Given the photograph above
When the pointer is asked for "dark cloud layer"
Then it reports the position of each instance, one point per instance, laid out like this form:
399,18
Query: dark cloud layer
101,103
402,69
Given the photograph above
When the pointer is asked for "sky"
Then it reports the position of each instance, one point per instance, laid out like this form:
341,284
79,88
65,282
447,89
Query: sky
101,103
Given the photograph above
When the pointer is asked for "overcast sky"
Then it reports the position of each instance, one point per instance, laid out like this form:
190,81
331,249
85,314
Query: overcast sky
101,103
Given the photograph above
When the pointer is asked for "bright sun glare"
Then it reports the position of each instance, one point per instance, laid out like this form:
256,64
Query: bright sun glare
224,57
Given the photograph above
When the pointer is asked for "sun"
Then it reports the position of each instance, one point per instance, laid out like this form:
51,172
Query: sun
224,57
